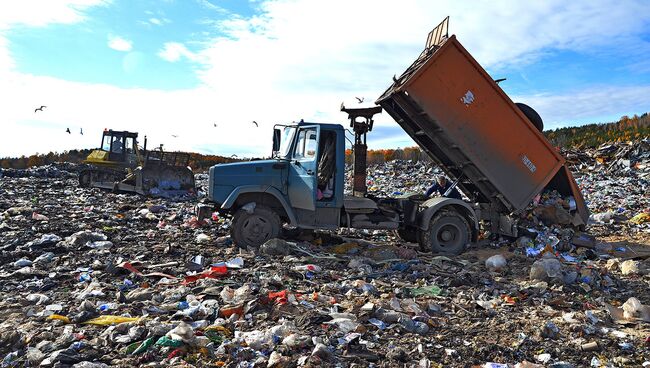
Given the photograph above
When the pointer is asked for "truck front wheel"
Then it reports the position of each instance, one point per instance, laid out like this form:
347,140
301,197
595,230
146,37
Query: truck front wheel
254,228
448,233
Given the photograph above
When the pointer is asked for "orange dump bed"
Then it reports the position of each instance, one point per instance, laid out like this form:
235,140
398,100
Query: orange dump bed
457,114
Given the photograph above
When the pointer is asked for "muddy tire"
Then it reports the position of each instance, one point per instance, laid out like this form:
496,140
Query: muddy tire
254,229
532,115
448,233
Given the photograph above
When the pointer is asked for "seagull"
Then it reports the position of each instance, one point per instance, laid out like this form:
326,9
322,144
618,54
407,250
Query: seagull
215,125
39,109
81,131
67,130
254,122
233,155
360,99
174,135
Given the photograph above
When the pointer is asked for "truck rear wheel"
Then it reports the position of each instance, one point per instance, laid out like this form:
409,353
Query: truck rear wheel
252,229
448,233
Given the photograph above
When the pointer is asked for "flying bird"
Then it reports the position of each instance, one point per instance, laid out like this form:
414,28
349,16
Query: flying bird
215,125
254,122
67,130
233,155
360,99
81,131
39,108
174,135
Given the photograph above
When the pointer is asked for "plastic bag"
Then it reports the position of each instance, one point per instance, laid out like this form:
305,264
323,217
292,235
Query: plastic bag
110,320
58,317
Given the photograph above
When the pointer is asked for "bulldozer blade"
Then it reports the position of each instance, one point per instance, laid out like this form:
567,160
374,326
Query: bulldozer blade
164,180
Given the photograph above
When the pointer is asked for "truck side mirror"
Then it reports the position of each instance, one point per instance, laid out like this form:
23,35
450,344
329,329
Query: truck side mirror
276,140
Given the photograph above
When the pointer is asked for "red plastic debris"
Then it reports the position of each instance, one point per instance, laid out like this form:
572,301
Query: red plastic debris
194,222
213,273
228,311
129,267
176,352
279,297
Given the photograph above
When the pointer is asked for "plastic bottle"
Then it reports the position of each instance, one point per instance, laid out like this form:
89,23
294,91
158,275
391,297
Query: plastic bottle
388,316
108,306
307,267
413,326
377,323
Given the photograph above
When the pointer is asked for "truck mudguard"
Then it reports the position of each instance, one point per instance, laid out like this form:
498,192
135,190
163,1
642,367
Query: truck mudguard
433,205
261,189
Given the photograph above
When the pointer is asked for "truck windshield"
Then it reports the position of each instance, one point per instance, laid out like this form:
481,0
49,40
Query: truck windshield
285,142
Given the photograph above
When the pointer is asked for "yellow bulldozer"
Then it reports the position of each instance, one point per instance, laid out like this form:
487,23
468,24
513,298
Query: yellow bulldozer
119,164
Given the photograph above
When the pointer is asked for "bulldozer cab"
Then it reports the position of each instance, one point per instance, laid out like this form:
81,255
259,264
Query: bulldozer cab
121,146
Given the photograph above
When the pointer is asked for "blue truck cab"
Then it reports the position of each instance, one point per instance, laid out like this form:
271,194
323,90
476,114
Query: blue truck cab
302,184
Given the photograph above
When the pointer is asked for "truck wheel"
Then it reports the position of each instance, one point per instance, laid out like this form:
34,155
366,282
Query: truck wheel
532,115
254,229
408,234
448,233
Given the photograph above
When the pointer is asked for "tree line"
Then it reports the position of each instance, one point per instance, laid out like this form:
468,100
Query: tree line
198,162
593,135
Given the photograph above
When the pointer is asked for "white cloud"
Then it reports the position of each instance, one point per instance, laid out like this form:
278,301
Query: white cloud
6,62
292,62
93,107
208,5
300,46
119,44
155,21
38,13
297,64
174,51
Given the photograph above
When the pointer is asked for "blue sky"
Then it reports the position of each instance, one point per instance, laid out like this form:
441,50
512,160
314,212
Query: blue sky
80,53
172,69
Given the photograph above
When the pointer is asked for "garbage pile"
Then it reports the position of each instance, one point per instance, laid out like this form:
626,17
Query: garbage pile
398,177
615,180
90,278
57,170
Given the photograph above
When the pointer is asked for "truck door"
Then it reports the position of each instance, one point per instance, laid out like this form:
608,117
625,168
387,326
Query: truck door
302,169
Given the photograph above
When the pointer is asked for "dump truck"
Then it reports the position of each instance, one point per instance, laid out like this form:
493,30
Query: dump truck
491,148
119,164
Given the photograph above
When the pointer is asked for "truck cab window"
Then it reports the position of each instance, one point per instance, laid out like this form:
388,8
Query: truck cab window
285,142
306,144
